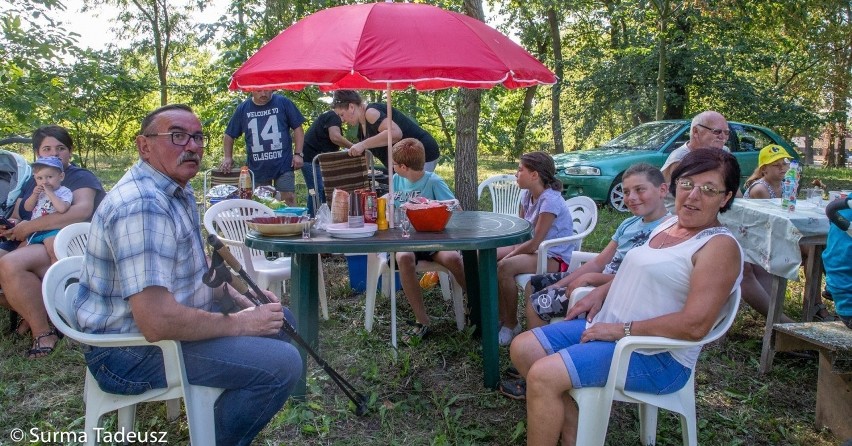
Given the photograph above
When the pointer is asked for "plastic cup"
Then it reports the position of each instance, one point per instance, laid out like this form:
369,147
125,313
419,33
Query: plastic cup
814,195
306,229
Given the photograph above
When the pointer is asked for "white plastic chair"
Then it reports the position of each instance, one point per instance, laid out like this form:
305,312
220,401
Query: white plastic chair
71,240
504,191
595,403
59,288
377,265
228,219
584,213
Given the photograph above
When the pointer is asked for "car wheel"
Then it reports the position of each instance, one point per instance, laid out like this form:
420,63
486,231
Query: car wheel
615,198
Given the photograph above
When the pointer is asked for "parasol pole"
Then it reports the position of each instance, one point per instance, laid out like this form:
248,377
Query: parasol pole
391,201
391,204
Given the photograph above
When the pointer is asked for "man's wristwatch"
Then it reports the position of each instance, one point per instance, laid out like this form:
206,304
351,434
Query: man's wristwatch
299,155
627,327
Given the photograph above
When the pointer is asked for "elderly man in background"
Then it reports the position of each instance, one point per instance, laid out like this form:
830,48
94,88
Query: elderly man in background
142,273
709,130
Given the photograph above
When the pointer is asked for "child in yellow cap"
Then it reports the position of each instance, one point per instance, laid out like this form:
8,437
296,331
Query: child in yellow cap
772,163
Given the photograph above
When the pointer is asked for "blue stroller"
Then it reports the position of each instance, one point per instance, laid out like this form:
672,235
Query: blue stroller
835,258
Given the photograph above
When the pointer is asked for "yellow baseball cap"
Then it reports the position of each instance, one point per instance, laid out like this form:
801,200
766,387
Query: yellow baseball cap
772,153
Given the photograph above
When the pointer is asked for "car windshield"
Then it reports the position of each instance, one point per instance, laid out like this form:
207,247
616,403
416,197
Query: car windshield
649,136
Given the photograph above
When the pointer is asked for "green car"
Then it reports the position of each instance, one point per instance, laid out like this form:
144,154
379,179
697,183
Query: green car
596,173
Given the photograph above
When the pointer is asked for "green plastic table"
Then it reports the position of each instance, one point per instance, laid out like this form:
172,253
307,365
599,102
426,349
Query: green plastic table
476,234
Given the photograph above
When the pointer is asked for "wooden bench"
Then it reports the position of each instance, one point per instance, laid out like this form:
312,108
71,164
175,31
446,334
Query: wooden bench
834,384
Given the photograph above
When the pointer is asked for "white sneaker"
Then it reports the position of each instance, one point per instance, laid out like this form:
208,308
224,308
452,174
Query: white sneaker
506,334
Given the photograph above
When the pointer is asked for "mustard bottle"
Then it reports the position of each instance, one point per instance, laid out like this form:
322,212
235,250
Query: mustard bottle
382,218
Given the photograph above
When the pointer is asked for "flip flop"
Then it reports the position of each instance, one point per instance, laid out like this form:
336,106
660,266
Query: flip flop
515,389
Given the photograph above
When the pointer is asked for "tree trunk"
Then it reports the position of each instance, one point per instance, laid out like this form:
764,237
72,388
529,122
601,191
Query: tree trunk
523,121
809,149
241,11
445,129
467,127
556,90
162,38
662,9
661,77
831,141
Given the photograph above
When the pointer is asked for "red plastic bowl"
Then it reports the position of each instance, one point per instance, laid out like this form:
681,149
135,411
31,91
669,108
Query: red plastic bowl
432,219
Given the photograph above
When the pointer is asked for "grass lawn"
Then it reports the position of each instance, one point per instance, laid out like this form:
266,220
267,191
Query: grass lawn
432,394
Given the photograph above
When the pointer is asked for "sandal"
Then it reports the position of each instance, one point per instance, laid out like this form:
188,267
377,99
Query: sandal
515,389
418,331
828,316
22,328
513,373
38,351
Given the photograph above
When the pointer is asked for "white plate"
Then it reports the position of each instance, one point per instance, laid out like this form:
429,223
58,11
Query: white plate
342,230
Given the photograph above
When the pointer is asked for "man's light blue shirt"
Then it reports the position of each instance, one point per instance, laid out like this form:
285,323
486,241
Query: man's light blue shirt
145,233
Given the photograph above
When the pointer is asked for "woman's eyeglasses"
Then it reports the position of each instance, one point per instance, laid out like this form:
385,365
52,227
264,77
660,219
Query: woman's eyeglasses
707,191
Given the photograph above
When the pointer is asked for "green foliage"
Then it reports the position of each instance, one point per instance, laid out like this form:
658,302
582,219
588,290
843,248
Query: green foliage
762,62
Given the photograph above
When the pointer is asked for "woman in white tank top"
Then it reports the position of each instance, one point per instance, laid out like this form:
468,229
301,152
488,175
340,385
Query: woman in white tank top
674,286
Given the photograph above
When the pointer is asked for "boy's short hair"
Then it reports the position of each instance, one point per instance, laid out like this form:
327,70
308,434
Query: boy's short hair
652,174
410,151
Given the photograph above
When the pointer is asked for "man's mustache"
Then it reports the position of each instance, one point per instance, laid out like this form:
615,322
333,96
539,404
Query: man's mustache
189,156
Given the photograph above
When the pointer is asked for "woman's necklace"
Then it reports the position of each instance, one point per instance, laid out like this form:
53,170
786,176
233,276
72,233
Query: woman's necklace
675,240
665,241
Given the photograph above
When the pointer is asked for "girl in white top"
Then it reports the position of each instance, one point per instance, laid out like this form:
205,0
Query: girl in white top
674,286
543,206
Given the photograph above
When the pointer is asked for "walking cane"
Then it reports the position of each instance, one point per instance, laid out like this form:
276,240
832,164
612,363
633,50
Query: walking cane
216,275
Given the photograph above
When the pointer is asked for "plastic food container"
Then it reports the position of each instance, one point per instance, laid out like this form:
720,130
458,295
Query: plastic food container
297,211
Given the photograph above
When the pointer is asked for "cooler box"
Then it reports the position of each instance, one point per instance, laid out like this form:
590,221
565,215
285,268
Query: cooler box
358,273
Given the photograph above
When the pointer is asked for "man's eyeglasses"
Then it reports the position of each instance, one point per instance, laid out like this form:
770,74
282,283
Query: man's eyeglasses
182,138
688,185
717,132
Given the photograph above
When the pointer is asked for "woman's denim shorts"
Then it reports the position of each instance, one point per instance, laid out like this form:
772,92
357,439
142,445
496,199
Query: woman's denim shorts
588,362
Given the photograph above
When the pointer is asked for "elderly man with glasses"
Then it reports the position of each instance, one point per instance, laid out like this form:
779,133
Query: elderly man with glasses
709,130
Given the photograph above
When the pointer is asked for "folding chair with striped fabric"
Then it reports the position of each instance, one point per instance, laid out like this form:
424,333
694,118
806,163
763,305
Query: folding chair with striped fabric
344,172
215,177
